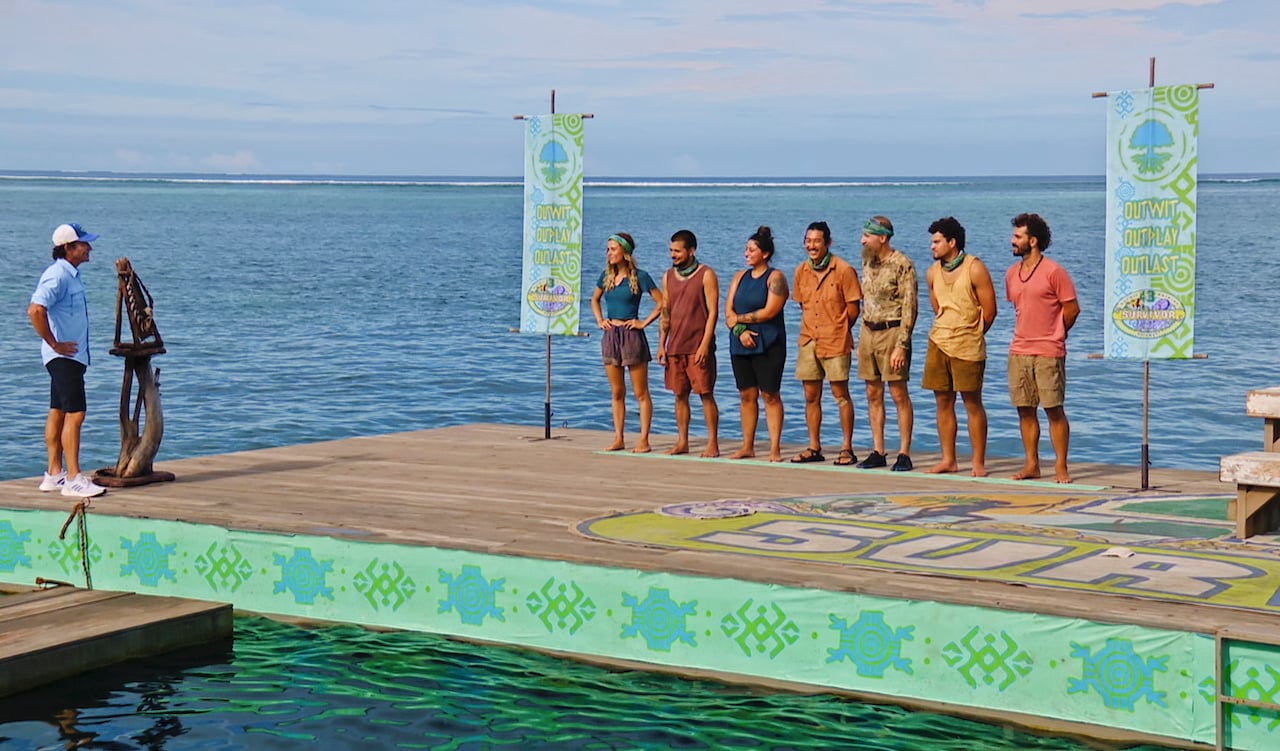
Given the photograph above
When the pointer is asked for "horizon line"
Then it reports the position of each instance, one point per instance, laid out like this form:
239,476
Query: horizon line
56,173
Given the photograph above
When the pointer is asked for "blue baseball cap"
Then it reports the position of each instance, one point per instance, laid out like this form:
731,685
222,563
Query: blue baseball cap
71,233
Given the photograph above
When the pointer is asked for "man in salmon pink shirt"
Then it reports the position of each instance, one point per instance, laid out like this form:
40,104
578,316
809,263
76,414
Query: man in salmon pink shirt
1045,307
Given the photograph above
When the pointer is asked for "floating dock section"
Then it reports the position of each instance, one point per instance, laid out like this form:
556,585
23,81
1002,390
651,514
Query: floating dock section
50,634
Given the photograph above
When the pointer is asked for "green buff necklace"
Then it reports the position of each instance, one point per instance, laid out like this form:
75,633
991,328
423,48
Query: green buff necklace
821,265
954,263
687,271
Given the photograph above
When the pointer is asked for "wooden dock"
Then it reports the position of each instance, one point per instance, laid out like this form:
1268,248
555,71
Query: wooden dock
500,490
50,634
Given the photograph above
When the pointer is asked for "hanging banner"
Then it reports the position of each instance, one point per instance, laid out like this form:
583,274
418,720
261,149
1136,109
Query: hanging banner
1151,223
550,297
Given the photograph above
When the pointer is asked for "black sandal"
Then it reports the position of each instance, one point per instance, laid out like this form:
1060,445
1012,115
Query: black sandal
808,456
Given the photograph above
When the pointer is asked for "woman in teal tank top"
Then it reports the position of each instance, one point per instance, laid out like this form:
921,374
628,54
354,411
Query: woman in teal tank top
624,347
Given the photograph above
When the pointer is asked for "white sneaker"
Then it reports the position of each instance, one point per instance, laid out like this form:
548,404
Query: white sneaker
82,487
53,482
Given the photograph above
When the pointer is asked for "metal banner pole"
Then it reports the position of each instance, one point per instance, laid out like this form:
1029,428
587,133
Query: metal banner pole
546,404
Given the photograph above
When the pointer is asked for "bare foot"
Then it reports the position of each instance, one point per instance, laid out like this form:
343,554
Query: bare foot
1062,476
942,468
979,471
743,453
1029,472
642,448
617,445
711,451
679,448
775,456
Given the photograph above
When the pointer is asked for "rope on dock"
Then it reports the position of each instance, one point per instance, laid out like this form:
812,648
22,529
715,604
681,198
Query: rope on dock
78,510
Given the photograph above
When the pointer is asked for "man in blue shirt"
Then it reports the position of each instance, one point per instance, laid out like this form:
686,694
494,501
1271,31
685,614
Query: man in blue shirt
60,314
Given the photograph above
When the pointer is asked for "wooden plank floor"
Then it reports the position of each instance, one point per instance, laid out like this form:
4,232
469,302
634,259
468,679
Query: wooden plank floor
501,489
46,635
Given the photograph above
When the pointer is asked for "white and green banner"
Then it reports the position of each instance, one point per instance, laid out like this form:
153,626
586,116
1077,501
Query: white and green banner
551,283
1151,223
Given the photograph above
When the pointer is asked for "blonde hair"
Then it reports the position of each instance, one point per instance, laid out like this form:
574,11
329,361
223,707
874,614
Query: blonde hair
633,277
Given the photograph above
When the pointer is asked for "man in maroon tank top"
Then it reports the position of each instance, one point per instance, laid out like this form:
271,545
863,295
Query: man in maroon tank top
687,340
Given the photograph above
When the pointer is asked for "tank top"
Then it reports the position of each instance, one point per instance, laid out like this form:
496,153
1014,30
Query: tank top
688,307
753,294
957,329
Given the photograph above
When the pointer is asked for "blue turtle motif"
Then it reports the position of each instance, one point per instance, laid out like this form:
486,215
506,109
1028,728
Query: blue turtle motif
148,559
1119,674
304,576
659,619
871,644
13,548
471,595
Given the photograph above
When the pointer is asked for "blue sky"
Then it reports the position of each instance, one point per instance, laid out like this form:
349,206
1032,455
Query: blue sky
677,87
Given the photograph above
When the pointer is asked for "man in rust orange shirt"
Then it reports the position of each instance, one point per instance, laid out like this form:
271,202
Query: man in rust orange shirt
830,298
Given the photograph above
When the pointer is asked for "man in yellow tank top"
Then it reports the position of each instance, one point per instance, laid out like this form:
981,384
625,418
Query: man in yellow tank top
964,307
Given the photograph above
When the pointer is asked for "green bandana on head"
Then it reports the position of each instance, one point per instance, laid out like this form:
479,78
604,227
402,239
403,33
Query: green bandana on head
872,227
626,246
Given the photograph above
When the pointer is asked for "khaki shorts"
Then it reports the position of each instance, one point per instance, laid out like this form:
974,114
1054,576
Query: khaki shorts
874,349
1035,380
945,373
684,375
810,367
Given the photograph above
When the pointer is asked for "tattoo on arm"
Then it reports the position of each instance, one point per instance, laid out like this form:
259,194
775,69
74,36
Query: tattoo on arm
777,285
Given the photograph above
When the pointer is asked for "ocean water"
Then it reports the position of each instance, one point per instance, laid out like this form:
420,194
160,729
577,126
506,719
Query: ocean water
284,687
298,311
304,310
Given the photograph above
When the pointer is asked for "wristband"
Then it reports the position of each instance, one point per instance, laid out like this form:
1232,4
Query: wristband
739,328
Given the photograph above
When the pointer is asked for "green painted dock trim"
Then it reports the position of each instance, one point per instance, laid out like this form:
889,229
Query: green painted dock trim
1151,681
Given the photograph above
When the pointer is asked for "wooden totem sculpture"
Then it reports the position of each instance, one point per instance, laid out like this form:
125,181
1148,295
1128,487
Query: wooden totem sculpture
141,419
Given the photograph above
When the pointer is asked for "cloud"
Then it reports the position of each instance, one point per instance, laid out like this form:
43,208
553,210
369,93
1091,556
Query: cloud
291,83
243,160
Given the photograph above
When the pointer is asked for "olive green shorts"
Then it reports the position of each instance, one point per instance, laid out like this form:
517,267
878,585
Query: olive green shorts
810,367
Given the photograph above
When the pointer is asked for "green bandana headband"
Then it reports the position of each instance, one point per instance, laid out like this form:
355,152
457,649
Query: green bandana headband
872,227
626,246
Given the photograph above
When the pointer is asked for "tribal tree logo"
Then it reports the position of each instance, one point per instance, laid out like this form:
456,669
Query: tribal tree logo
553,156
553,150
1156,143
1150,143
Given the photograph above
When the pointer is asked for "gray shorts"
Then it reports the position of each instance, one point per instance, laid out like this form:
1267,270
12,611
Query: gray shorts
624,347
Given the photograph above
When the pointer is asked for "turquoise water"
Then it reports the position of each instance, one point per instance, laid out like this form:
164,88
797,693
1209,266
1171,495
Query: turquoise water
285,687
305,312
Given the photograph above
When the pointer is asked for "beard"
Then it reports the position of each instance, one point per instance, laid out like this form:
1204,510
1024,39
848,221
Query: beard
870,256
1020,251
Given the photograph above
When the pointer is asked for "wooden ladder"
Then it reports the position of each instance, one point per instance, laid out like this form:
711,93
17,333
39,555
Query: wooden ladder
1222,641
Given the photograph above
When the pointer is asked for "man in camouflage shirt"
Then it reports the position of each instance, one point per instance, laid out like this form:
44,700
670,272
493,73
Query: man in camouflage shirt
889,299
